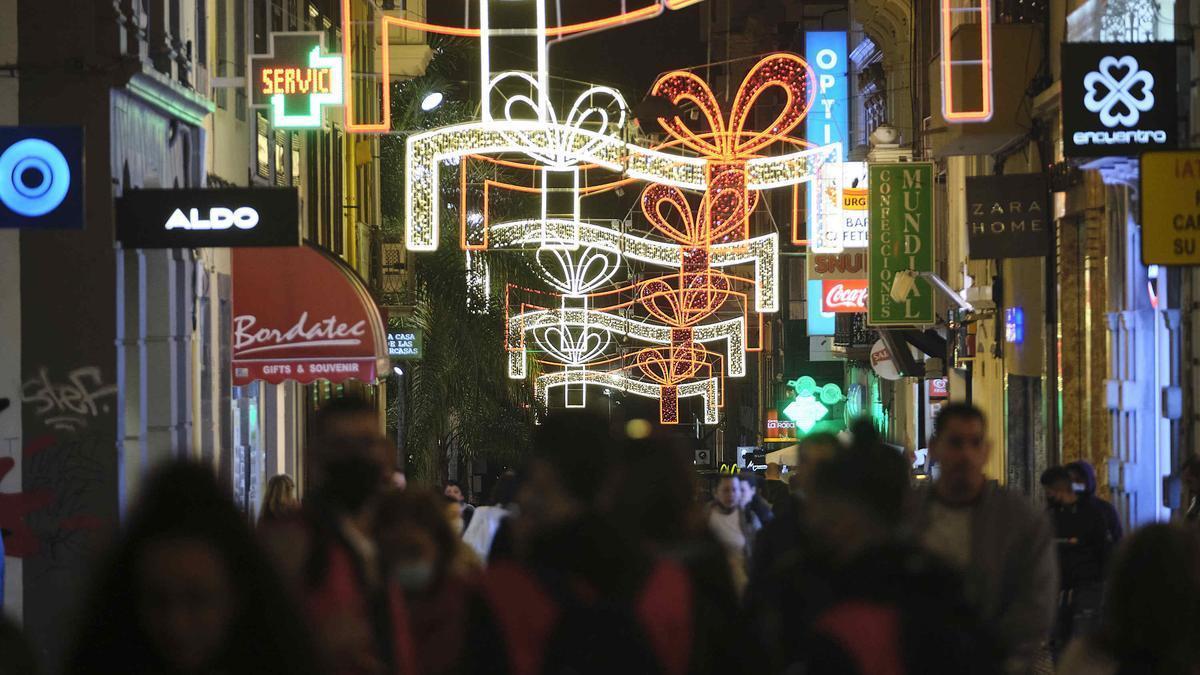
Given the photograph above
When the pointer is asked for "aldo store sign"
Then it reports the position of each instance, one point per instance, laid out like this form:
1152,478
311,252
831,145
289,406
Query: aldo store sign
1008,216
41,178
218,218
1118,99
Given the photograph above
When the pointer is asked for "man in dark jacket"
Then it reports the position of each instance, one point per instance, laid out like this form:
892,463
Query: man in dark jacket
1083,481
1083,549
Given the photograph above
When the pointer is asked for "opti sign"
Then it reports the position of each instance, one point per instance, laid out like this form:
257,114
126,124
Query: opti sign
199,218
1118,99
846,296
1170,199
828,122
901,240
41,177
296,79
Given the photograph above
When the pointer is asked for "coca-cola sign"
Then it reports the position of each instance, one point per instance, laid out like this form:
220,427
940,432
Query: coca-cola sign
845,296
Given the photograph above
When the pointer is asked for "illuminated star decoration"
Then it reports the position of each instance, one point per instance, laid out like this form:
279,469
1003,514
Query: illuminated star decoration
811,403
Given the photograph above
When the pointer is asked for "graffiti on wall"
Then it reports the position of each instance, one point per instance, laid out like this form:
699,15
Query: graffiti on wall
70,404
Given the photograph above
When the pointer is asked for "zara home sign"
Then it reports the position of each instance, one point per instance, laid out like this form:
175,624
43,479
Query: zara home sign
218,218
1118,98
1008,216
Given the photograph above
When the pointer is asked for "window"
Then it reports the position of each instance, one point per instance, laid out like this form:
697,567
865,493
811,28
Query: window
222,51
264,153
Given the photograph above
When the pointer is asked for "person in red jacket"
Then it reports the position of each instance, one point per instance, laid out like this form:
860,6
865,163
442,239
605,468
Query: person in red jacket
327,553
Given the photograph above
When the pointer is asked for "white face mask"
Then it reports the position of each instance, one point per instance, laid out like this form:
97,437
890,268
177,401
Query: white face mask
413,576
1079,487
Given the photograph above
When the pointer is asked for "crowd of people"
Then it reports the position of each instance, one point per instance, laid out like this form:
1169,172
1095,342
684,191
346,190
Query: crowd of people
606,553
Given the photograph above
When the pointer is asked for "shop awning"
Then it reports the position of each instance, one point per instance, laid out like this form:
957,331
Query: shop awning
789,456
302,314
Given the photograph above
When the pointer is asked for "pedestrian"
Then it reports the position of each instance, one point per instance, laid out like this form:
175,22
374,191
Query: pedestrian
453,490
279,500
1083,481
186,590
1190,472
488,519
422,555
583,595
863,598
1151,614
1083,548
732,527
757,508
327,553
1001,545
775,490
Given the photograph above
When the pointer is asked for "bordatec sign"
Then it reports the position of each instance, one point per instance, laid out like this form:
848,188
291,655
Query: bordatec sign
200,218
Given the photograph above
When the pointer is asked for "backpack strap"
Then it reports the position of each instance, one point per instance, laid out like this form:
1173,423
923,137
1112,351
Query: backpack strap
868,633
664,609
525,615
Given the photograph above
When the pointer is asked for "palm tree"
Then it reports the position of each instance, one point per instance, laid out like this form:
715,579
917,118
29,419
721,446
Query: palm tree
459,395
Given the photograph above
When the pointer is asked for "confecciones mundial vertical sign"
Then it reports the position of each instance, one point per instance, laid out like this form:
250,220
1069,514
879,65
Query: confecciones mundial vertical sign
1008,216
1118,98
901,239
209,218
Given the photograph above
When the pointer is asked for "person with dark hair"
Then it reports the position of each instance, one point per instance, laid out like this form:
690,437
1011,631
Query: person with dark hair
758,509
1083,482
186,590
453,490
733,526
583,595
1002,546
862,599
488,519
1151,614
279,499
1083,547
420,554
327,553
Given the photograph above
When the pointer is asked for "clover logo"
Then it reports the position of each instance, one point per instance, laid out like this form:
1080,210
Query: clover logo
1111,87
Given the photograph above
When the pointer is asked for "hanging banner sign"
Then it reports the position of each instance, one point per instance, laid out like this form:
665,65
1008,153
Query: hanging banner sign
296,79
41,178
203,218
819,321
847,296
827,122
901,205
841,221
1118,98
1007,216
1170,199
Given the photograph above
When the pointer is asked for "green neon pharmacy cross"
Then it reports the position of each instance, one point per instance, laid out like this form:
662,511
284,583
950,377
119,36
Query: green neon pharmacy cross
812,402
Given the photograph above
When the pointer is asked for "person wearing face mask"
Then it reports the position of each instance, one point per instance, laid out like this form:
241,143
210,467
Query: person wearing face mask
1083,482
328,556
421,555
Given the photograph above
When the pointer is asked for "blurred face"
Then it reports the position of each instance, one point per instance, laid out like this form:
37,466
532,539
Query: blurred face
411,554
185,601
454,492
962,450
744,492
543,499
1060,493
399,480
726,492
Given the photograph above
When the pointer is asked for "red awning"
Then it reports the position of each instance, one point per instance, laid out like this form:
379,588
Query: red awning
301,314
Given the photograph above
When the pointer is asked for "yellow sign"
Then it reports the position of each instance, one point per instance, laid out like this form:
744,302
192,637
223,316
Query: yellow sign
1170,196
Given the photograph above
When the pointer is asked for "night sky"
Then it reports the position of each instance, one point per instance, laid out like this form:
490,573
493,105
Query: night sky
628,57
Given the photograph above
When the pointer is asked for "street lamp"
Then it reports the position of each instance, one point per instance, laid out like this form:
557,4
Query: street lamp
432,100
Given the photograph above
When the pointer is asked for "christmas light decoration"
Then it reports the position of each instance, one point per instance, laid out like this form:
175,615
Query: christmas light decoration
669,333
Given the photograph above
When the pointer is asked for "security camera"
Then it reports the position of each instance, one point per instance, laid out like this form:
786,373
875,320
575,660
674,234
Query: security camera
902,285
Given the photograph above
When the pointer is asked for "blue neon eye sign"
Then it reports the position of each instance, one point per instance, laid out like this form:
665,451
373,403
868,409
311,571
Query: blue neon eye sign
41,177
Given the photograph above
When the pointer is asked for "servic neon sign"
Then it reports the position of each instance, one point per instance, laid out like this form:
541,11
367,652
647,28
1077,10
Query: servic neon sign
295,80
